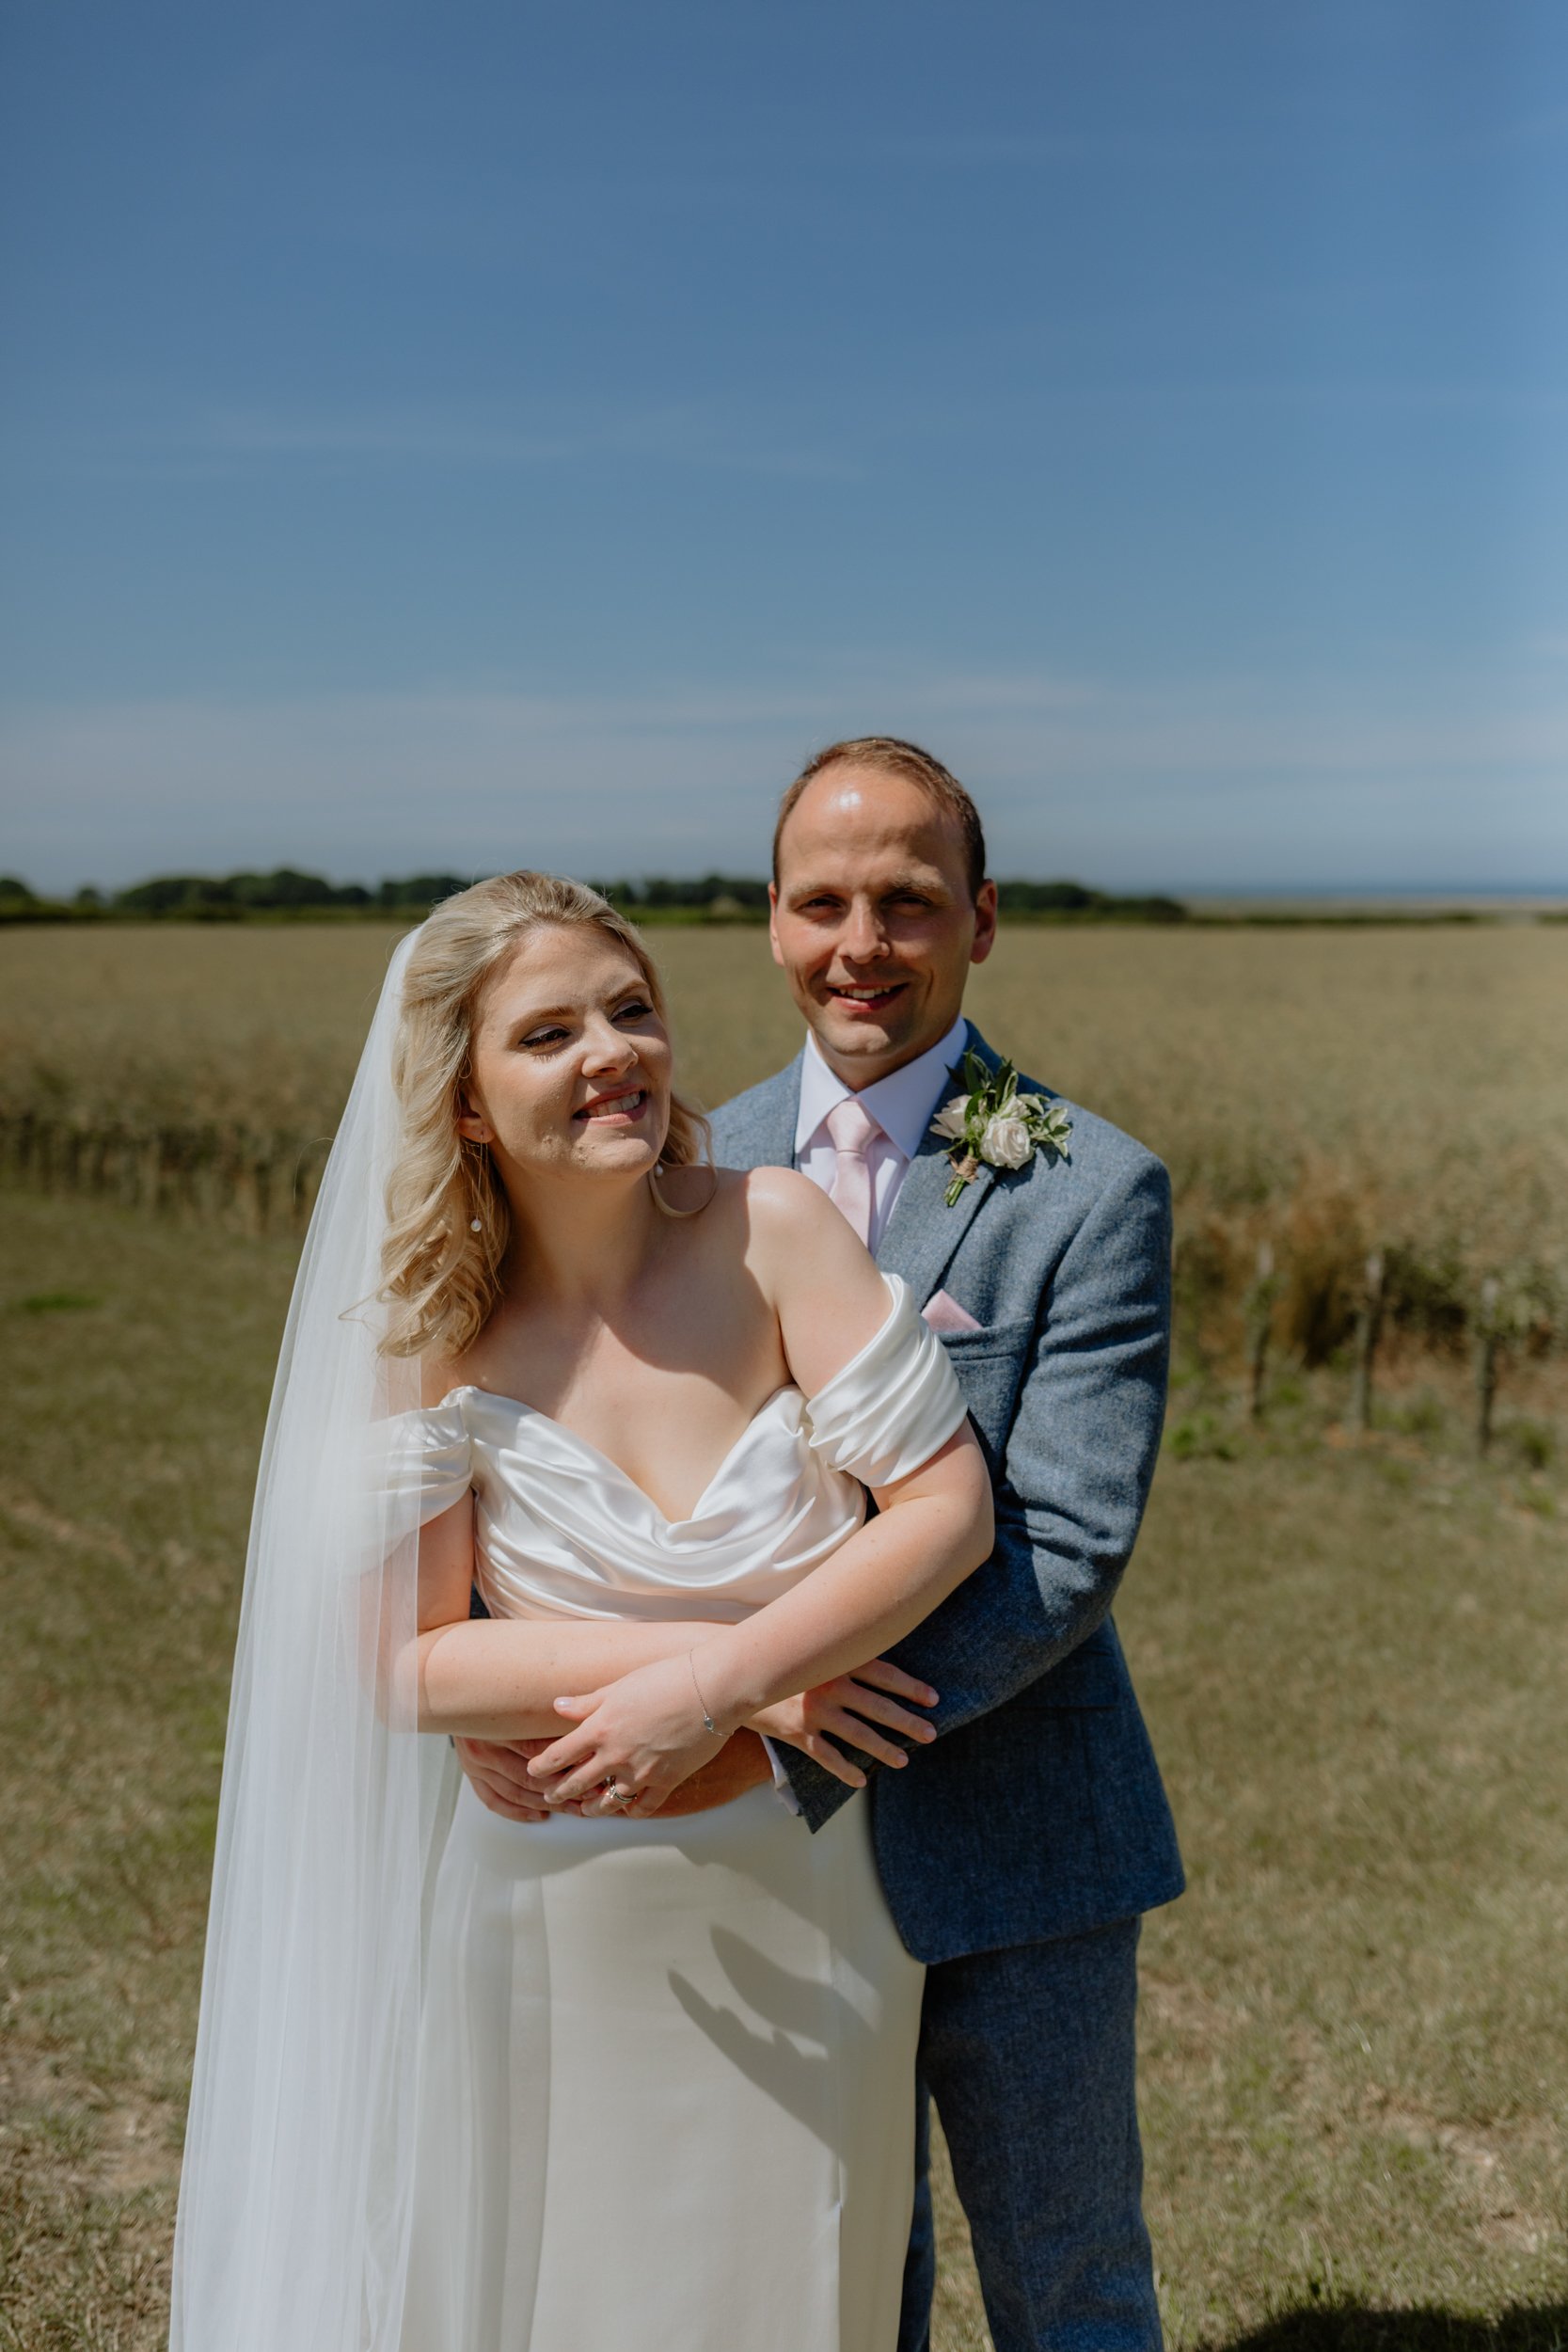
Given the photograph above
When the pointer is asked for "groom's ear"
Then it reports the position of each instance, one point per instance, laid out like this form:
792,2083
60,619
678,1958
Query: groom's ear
985,921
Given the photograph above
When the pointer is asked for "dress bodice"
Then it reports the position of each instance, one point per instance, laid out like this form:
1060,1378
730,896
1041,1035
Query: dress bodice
563,1532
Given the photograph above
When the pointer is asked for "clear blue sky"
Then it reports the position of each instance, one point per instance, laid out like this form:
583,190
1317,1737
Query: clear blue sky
474,435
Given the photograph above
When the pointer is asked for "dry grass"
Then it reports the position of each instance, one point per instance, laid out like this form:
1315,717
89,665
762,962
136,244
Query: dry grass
139,1363
183,1023
1327,1090
1355,2049
1354,2062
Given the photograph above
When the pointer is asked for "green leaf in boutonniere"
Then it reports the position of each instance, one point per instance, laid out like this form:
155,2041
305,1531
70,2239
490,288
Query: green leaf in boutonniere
993,1124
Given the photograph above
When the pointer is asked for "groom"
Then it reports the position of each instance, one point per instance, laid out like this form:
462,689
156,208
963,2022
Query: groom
1018,1851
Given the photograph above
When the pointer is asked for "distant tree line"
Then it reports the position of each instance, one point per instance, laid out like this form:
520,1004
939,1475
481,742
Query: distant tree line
730,894
228,898
742,895
285,887
1075,899
287,891
286,895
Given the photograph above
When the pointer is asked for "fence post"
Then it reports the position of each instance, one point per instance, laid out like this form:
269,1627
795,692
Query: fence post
227,1174
129,1169
1369,1329
204,1193
263,1162
311,1168
1259,1310
1487,1339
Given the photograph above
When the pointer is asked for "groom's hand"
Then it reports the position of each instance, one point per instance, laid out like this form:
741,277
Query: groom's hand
498,1773
740,1764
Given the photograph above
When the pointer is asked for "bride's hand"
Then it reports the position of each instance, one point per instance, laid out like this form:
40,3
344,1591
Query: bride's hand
645,1733
851,1708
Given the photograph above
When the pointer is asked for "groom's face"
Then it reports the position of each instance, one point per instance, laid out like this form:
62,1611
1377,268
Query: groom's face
873,921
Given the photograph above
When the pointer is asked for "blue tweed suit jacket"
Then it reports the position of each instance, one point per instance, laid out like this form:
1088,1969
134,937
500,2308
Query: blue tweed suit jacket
1038,1810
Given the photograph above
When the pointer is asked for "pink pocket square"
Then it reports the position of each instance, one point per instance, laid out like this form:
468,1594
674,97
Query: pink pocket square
946,1314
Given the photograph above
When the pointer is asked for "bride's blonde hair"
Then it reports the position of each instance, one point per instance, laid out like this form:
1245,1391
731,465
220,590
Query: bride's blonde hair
440,1274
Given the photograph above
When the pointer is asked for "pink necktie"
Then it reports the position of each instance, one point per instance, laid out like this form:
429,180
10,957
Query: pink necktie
853,1130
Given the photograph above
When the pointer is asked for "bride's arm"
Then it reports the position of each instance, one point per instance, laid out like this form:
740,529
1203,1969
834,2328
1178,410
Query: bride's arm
651,1727
932,1529
498,1677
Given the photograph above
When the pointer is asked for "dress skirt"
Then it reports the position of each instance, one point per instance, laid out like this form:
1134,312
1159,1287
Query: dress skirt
667,2088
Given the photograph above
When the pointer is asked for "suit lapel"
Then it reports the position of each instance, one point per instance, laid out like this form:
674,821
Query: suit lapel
922,1232
769,1140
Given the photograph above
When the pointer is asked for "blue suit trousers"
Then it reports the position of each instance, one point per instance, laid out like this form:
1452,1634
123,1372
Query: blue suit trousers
1029,2054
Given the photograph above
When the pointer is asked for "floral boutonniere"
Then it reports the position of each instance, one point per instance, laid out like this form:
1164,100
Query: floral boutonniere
995,1123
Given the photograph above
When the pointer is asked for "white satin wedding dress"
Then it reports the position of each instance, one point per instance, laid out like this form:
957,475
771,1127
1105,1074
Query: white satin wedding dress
666,2094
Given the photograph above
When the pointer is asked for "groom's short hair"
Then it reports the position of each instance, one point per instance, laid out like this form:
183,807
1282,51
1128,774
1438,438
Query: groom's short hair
896,757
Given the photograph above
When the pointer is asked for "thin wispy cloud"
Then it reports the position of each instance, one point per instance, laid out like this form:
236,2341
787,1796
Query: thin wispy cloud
1144,790
376,440
939,149
688,436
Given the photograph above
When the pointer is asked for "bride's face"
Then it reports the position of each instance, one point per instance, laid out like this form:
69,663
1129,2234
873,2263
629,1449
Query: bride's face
570,1064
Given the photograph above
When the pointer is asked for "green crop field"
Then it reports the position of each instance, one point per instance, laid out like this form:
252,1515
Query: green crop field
1351,1649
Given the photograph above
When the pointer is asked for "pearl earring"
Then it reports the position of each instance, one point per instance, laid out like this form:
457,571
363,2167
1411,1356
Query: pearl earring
476,1225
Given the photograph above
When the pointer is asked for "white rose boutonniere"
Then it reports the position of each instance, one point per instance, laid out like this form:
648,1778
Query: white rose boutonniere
996,1124
1007,1142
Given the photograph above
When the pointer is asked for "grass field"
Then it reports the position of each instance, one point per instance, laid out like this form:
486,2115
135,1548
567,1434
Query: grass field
1354,2046
1324,1091
1406,1054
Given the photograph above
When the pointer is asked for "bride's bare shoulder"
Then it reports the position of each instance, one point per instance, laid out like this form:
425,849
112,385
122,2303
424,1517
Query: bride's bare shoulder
781,1202
767,1197
780,1224
795,1235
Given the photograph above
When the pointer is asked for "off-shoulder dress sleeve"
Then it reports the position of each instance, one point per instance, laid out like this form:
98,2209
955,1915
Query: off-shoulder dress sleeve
893,1406
427,1454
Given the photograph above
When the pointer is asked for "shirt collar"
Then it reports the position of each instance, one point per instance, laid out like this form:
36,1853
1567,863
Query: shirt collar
901,1104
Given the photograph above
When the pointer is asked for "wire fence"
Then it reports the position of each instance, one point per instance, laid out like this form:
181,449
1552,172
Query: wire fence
1307,1305
254,1181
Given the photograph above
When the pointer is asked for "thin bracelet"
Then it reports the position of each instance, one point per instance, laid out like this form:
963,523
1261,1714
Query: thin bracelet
708,1723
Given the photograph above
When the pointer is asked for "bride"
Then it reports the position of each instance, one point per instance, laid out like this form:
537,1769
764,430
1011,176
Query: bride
622,2078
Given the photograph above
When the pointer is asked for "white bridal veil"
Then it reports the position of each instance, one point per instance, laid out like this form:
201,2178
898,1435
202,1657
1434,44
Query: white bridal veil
294,2200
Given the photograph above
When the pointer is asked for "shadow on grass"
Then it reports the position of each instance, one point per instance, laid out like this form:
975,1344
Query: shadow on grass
1351,2327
